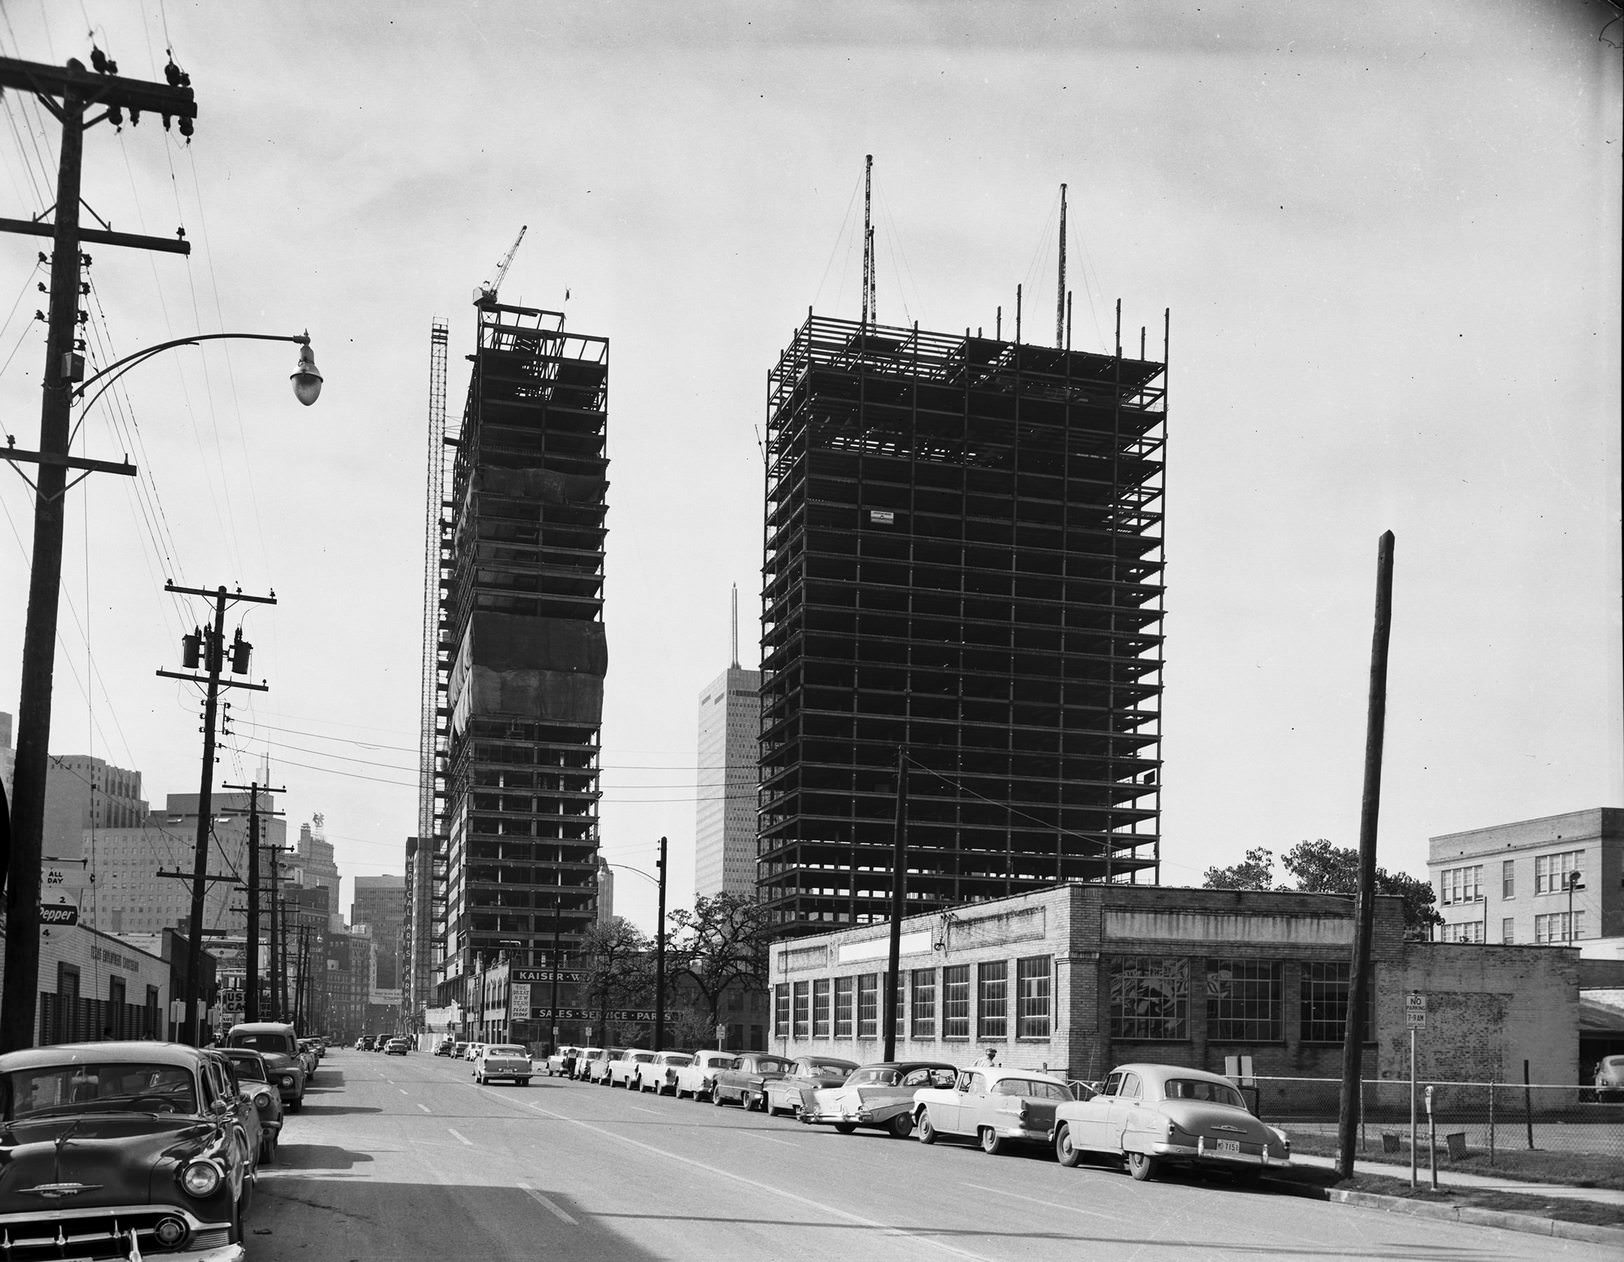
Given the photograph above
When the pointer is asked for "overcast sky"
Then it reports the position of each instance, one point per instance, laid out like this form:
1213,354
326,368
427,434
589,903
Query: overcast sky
1388,235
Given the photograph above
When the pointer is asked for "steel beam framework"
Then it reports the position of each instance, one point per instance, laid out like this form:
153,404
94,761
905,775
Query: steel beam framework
963,560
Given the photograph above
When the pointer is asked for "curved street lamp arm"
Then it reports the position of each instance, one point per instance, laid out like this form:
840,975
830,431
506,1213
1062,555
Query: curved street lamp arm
119,367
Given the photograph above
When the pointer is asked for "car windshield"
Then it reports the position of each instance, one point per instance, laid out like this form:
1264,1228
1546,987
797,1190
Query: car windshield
504,1049
249,1067
722,1062
678,1058
265,1041
1197,1089
122,1085
873,1078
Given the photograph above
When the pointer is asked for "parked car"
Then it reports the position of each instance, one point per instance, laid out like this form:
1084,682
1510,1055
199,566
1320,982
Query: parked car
254,1081
459,1050
597,1069
698,1076
1149,1116
503,1060
281,1050
473,1051
396,1047
993,1104
562,1061
621,1069
585,1059
747,1080
814,1072
880,1096
308,1058
132,1142
660,1074
1610,1078
445,1047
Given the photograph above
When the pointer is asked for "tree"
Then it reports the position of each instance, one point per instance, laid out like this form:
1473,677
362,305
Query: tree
1318,867
617,960
720,945
1255,872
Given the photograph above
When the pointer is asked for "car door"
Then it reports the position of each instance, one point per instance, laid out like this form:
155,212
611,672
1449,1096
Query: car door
1089,1121
1124,1108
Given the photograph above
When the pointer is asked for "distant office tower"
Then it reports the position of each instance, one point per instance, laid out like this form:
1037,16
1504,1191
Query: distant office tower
606,892
311,864
963,567
380,901
519,648
82,791
725,826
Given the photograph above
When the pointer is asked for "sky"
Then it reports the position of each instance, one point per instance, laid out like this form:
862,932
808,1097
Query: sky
1387,236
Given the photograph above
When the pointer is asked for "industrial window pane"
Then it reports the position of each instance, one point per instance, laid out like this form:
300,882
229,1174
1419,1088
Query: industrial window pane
1150,997
820,1008
924,1003
1508,878
802,1016
781,1011
1551,871
1245,999
1032,996
844,990
1461,885
1508,930
992,1000
1323,1003
868,1005
956,1002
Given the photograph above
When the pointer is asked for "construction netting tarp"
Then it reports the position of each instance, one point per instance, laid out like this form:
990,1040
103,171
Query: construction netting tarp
545,669
543,485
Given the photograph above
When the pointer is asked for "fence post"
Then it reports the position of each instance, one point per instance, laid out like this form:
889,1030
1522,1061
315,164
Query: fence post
1491,1123
1528,1107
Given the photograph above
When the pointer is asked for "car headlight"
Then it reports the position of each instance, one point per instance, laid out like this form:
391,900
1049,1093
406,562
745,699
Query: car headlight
201,1178
286,1080
169,1231
262,1101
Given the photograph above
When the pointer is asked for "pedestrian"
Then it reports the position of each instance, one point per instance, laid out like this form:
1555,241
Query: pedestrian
989,1057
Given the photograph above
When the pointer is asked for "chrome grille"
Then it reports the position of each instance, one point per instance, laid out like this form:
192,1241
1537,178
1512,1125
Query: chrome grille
95,1235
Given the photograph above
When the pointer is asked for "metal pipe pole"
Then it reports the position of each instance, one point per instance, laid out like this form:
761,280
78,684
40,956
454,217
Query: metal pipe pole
20,997
557,963
899,902
659,961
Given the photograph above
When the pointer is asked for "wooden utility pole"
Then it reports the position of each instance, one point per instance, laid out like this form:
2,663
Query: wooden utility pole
1364,912
659,958
251,946
69,95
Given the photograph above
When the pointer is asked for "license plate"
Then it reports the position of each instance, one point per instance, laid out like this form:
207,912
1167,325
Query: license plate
1229,1147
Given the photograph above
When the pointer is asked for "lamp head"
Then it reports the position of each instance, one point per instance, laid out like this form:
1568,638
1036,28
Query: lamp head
1574,881
306,379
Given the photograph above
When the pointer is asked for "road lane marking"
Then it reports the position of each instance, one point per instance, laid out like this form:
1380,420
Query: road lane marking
425,1108
919,1237
403,1091
548,1205
464,1138
767,1139
638,1108
1016,1196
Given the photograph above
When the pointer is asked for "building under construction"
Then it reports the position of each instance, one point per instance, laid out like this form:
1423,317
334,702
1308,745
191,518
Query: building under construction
515,655
962,577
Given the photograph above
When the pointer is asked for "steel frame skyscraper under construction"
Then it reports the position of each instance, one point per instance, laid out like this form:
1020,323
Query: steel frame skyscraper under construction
520,648
963,569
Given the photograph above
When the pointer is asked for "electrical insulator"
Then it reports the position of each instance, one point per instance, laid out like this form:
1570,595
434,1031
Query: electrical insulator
191,649
240,648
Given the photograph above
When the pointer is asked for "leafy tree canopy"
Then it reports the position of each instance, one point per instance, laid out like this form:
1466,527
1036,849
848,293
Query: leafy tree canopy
720,944
1318,867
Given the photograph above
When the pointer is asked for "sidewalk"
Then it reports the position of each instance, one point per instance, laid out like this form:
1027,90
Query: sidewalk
1449,1178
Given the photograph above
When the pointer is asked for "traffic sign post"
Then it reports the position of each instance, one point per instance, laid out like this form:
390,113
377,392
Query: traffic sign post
1415,1017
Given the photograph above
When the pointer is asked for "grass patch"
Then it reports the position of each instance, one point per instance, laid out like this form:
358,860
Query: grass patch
1562,1209
1574,1169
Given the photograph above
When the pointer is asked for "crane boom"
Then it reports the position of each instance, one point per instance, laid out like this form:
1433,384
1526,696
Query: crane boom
486,293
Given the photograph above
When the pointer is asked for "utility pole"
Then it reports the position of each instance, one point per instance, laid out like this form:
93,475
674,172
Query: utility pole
1364,905
558,963
899,904
251,946
69,95
210,645
659,959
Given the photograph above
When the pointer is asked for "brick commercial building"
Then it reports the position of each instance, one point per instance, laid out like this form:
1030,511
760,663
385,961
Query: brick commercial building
1083,977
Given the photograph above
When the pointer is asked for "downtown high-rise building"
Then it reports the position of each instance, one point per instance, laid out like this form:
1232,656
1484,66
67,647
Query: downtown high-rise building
962,591
513,690
725,817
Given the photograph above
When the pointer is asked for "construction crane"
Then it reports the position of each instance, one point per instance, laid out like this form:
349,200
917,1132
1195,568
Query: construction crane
485,295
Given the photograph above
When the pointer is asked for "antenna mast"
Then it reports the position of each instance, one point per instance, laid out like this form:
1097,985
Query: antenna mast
735,626
870,306
1060,294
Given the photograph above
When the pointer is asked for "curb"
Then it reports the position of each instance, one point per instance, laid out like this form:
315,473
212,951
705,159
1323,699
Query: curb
1590,1233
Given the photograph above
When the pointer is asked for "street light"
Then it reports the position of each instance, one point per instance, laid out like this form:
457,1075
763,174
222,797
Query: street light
19,998
1574,883
659,950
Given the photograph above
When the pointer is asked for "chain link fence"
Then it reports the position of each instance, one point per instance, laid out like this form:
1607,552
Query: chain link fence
1470,1124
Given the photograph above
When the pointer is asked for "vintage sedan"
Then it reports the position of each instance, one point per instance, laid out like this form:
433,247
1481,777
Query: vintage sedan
275,1039
698,1076
562,1061
814,1072
1150,1116
994,1104
747,1081
504,1060
122,1149
879,1096
254,1081
585,1058
624,1067
660,1074
597,1067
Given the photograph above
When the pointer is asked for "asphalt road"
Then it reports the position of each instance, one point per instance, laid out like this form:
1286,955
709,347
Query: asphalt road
405,1158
